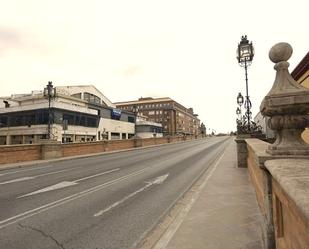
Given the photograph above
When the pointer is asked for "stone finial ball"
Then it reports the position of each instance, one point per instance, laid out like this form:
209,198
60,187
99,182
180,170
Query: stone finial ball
280,52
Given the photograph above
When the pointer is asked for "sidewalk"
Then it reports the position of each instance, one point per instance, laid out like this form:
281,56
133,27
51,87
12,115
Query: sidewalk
225,214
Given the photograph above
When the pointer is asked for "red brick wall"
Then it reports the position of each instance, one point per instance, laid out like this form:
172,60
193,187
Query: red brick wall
161,140
113,145
149,141
30,152
20,153
74,149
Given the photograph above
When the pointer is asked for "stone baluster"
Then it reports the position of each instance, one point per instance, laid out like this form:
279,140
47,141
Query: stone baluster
287,105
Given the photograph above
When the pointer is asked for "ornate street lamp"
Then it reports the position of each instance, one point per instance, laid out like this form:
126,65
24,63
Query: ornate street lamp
49,91
240,99
238,111
245,53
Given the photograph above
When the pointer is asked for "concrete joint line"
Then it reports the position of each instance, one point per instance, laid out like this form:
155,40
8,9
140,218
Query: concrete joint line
178,220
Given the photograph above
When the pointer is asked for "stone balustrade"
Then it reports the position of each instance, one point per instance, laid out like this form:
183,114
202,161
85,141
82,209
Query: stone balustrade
279,172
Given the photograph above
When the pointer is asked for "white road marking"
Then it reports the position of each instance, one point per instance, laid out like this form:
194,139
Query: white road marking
51,173
64,184
157,180
88,177
38,210
172,229
23,170
18,180
26,178
50,188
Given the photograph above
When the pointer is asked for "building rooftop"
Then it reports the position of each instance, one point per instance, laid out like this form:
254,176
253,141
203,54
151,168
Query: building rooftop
144,101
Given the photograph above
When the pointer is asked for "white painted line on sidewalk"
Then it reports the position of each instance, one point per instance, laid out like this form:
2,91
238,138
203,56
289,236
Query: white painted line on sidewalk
46,207
64,184
172,229
157,180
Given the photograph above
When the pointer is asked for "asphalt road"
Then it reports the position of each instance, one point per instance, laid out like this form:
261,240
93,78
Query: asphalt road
108,201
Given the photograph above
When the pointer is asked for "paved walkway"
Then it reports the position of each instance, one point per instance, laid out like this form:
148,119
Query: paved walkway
225,214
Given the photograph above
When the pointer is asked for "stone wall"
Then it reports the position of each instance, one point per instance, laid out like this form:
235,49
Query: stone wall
261,181
285,223
290,199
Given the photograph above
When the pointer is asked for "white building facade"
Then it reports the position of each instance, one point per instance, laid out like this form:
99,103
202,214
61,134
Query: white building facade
89,116
148,129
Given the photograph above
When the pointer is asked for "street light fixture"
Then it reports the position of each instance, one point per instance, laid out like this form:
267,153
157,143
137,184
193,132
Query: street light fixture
240,99
245,53
238,112
49,91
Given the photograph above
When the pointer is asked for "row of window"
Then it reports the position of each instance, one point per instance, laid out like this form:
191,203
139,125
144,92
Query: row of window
40,116
141,106
155,113
149,128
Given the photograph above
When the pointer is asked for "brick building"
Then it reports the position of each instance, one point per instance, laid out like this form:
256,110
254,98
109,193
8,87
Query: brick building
301,75
174,117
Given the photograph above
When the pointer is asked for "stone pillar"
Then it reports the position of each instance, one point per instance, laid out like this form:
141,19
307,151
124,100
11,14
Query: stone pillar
8,139
242,152
138,142
51,150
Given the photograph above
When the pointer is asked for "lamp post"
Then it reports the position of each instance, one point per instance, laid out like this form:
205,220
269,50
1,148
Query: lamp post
49,91
245,53
240,101
135,111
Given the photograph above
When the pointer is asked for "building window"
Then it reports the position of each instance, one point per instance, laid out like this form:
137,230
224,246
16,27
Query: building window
115,135
131,119
91,98
77,95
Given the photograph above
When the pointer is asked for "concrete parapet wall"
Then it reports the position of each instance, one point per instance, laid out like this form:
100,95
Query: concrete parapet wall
47,150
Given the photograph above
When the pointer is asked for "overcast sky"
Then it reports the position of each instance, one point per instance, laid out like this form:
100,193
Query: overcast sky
185,50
